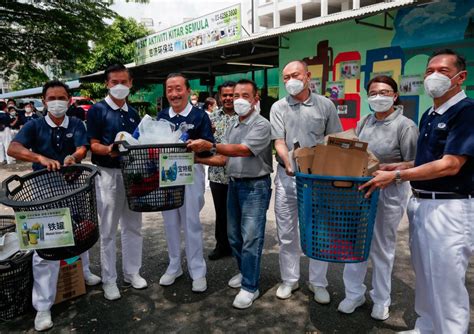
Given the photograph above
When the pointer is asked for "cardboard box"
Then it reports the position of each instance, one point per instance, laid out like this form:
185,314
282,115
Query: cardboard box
71,282
304,159
340,157
340,160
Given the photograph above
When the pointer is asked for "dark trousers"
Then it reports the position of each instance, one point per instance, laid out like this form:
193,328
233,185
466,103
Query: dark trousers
219,195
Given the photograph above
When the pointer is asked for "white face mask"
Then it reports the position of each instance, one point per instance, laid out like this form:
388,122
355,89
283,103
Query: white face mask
294,86
28,110
437,84
119,91
380,103
57,108
242,107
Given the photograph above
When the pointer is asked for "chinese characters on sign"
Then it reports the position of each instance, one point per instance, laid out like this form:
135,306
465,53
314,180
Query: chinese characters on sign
44,229
176,169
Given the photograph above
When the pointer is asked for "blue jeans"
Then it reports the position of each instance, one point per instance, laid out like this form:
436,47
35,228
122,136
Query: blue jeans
247,205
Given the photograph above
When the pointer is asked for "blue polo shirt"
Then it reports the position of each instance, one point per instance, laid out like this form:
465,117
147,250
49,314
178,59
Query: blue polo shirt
24,118
44,137
448,130
191,115
4,120
104,120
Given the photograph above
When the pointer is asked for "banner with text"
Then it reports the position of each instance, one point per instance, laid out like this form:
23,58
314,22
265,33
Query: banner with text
220,27
44,229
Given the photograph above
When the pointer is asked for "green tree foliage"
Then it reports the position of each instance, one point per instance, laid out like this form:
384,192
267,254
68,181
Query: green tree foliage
28,76
49,31
115,46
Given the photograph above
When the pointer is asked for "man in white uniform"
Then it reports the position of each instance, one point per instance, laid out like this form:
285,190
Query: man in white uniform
441,211
104,120
305,118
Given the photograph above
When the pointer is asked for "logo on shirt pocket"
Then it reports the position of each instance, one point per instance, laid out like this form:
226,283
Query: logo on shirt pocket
69,135
441,125
132,120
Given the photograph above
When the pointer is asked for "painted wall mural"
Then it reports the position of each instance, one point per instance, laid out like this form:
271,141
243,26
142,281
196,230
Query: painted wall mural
343,57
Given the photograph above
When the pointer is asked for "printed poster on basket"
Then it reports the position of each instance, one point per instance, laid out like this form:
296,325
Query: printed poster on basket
44,229
176,169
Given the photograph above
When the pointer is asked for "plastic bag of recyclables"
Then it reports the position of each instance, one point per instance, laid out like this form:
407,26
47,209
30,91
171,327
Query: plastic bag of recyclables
151,131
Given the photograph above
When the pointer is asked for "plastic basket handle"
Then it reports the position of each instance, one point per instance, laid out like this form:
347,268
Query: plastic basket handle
93,174
342,184
5,185
125,145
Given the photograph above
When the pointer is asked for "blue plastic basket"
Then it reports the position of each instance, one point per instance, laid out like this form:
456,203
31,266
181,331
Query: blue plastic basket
336,221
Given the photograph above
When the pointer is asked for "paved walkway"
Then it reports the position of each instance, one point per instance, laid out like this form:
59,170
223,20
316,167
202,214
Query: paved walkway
177,309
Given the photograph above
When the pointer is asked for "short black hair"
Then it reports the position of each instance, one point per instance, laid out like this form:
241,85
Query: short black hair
176,75
3,105
208,102
248,82
11,100
10,108
116,68
226,84
460,60
388,81
55,83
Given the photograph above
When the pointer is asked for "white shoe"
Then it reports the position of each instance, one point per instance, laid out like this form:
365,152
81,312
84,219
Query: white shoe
321,295
236,281
168,279
90,279
43,321
348,305
244,299
111,291
136,281
285,290
380,312
199,285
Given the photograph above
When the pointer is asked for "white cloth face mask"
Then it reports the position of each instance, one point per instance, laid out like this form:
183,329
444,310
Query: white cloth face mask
119,91
294,86
57,108
437,84
242,107
380,103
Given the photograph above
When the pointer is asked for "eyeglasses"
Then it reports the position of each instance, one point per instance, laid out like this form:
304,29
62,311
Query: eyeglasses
383,92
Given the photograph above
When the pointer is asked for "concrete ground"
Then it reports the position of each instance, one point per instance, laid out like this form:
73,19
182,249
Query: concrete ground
176,309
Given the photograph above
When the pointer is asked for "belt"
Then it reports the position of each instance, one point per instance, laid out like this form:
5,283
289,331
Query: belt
435,195
241,179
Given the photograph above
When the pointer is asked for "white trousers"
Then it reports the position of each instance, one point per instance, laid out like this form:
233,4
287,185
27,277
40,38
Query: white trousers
187,219
113,210
286,214
45,275
5,139
441,242
391,206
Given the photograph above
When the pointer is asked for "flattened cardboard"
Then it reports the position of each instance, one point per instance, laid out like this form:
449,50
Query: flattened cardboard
304,158
71,282
338,161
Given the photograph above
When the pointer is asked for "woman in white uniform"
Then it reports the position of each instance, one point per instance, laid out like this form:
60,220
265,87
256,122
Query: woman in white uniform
392,137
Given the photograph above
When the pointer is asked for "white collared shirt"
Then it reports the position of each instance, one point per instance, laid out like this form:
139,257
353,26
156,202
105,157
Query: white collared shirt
184,113
112,104
448,104
50,122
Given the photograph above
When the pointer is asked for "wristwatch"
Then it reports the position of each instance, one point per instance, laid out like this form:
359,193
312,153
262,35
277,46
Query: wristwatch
398,177
213,150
